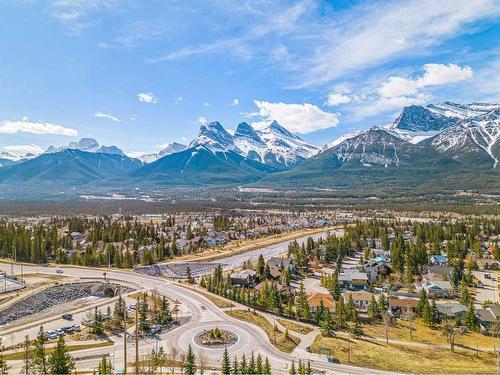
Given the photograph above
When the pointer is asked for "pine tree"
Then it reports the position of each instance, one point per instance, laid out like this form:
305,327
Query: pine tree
27,356
143,314
235,368
259,367
243,365
226,363
327,325
39,353
267,367
350,308
4,368
292,371
190,362
261,267
374,309
60,362
471,319
104,367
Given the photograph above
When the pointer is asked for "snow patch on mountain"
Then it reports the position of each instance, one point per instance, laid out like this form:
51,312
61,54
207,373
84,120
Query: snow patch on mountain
171,148
87,145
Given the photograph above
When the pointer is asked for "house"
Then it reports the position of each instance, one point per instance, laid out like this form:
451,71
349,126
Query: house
451,310
277,265
439,260
439,272
362,299
439,289
376,267
353,279
487,318
282,289
398,305
488,264
374,242
245,278
314,300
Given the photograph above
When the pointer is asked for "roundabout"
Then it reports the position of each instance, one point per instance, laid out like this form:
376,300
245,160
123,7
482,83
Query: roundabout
216,338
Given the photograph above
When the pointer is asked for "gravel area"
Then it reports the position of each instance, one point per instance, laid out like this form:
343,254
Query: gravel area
57,295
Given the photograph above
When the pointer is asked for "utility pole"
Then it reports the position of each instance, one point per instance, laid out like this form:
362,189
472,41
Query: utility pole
137,336
124,340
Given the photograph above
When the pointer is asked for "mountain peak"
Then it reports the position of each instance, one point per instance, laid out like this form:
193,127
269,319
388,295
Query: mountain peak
277,128
88,145
245,130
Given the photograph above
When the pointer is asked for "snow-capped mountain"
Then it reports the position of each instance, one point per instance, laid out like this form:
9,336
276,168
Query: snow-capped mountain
477,135
8,156
272,145
88,145
171,148
463,132
417,123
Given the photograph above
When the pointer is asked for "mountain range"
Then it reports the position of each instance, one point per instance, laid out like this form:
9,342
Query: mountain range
445,146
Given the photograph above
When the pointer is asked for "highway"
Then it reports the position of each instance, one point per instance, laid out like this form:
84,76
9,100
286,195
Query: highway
250,337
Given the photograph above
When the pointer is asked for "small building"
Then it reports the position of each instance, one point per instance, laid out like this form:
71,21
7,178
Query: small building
353,280
246,278
362,299
439,260
282,289
398,305
451,310
277,265
438,289
376,267
314,300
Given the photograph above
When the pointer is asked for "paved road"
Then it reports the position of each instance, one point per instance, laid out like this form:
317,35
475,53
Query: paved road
236,261
251,338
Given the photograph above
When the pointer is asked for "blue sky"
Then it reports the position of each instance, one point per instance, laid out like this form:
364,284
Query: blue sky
140,74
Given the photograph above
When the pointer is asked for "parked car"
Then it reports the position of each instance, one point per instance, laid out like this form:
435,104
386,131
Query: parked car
51,335
67,316
60,332
76,328
68,329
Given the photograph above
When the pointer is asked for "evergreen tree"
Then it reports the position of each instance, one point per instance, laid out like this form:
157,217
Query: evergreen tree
471,319
27,356
4,368
143,314
104,367
259,366
292,371
226,363
327,325
60,362
374,309
267,367
243,365
39,353
261,267
235,368
190,362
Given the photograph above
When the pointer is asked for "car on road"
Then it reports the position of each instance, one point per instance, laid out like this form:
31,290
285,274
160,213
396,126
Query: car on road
203,307
487,275
59,270
67,316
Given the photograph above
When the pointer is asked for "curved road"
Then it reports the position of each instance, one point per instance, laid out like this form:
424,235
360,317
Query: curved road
251,338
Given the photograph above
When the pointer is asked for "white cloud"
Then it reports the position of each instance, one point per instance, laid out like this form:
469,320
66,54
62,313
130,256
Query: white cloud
147,97
75,14
13,127
434,75
179,100
235,102
337,99
396,91
369,35
201,120
206,104
298,118
24,149
106,116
